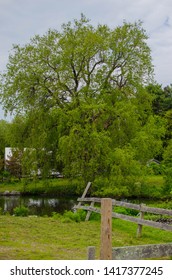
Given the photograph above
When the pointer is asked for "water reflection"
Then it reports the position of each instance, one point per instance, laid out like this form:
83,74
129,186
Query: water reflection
37,205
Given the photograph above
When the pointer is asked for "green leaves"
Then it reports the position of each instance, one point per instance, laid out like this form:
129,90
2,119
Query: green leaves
84,149
79,62
81,92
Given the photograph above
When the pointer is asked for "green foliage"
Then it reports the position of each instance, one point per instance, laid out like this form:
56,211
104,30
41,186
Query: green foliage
56,215
167,160
74,216
61,187
162,106
155,169
166,204
148,142
84,152
125,172
152,191
151,186
4,137
14,163
162,98
82,107
125,211
21,211
70,216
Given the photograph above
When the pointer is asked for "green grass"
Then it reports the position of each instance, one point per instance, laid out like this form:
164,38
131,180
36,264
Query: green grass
152,188
34,238
62,187
9,186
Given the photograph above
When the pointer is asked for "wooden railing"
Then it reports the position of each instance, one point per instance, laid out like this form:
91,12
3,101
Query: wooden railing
129,252
138,220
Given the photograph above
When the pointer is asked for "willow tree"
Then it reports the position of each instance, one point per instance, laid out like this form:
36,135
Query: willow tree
79,63
87,85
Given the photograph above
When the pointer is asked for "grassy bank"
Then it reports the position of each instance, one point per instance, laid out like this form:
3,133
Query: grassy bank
152,187
55,239
60,187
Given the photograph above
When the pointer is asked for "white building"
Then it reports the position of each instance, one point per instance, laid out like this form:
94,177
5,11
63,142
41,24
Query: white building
8,153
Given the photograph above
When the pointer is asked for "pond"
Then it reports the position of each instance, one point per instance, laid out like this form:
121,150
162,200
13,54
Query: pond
37,205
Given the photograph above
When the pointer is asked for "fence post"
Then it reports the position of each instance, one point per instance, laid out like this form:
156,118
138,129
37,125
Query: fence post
91,253
106,229
89,212
139,228
85,192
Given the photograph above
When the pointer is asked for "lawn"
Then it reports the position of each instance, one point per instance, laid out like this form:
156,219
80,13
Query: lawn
45,238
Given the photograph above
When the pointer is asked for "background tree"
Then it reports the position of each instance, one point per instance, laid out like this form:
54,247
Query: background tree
4,140
14,163
162,106
167,160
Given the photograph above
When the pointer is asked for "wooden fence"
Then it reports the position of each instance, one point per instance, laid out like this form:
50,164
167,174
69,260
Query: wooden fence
138,220
129,252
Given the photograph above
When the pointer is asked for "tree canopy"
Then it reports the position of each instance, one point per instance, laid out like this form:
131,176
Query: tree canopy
82,94
81,62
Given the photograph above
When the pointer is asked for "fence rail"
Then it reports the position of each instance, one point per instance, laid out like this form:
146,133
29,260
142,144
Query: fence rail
133,206
138,220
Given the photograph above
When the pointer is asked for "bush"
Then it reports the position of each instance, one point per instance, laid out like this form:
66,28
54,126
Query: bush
70,216
56,215
126,211
21,211
75,216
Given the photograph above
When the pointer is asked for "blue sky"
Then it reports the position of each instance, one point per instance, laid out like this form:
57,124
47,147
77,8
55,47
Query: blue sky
20,20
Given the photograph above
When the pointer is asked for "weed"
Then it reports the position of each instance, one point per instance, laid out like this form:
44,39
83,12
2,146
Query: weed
69,216
21,211
74,216
56,215
126,211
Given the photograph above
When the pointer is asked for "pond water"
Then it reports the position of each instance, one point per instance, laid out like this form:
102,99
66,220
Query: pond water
39,206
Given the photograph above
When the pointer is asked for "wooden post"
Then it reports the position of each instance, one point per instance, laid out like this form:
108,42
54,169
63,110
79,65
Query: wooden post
106,229
89,212
85,192
139,228
91,253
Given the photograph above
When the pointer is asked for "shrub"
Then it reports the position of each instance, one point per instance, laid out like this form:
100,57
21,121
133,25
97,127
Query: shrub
73,216
70,216
155,169
126,211
21,211
56,215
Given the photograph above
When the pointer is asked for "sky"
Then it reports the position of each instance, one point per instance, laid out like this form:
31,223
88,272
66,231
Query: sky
20,20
